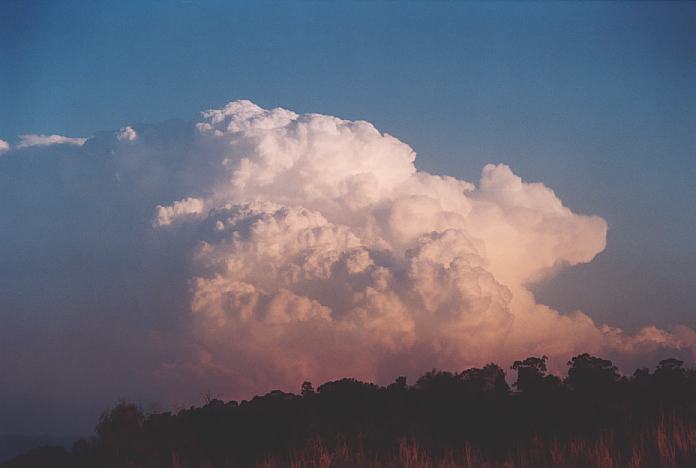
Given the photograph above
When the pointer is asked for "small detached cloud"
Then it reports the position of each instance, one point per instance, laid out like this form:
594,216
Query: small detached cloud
127,134
47,140
4,146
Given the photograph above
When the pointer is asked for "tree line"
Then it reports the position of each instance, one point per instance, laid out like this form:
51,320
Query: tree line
441,411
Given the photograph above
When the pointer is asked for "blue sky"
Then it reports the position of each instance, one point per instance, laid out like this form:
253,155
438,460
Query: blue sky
596,100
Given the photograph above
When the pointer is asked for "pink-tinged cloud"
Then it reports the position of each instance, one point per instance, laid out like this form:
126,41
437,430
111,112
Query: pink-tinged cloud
323,252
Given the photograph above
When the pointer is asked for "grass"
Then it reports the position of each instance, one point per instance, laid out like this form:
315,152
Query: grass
669,443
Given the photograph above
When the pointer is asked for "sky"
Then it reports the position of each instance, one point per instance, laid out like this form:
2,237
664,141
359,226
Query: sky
112,282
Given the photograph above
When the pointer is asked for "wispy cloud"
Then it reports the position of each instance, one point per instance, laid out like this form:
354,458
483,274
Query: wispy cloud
47,140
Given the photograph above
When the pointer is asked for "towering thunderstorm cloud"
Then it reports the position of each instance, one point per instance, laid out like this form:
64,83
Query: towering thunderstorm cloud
310,247
324,252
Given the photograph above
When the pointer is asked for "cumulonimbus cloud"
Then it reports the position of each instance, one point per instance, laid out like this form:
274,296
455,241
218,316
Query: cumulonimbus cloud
323,252
258,248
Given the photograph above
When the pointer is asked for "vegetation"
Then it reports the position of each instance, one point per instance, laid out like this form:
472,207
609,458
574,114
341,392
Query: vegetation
593,417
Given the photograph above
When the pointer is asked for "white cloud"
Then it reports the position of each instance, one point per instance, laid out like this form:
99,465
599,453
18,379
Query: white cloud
326,253
4,146
127,134
46,140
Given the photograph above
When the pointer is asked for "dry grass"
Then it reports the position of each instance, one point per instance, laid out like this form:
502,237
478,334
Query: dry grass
669,443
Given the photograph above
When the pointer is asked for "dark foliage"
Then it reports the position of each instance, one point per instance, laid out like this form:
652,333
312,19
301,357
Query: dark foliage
441,411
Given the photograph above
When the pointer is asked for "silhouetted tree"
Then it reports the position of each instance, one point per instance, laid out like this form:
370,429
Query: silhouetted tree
590,374
671,379
530,373
436,379
398,384
670,366
490,379
119,432
307,389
